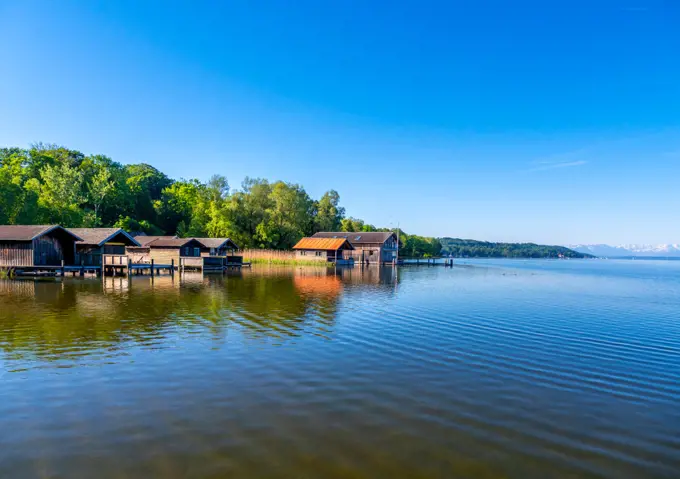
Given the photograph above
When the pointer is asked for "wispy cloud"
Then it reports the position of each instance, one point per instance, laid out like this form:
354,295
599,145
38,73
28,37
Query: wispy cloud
563,164
553,165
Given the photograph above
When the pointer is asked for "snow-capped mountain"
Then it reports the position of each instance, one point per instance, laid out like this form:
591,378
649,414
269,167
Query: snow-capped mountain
605,250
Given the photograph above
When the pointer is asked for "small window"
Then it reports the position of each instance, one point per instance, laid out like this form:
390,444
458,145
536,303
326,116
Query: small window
303,253
319,253
357,238
197,251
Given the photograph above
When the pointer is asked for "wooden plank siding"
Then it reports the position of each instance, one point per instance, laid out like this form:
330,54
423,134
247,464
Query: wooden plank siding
166,255
315,255
48,251
15,253
92,255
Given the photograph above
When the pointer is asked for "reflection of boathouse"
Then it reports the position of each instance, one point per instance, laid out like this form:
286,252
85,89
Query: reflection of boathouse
318,285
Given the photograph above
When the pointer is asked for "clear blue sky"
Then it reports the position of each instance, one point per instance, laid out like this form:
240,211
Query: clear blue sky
554,122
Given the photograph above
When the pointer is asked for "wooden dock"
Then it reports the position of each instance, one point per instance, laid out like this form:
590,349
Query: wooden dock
120,265
437,261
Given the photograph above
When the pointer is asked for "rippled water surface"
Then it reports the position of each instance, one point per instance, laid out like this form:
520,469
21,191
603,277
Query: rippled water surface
519,369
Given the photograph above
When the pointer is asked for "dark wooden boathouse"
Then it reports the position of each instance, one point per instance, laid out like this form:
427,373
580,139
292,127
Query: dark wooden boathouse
166,250
217,246
100,241
36,245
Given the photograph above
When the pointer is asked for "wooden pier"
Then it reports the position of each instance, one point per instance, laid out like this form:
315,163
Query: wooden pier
437,261
120,265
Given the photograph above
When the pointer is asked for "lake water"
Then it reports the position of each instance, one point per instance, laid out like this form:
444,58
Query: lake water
518,369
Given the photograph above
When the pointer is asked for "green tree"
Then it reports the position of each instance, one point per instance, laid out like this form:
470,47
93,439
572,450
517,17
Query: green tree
288,218
329,213
145,185
100,185
60,193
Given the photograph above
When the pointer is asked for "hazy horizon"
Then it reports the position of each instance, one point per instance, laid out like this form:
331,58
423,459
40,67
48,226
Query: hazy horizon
528,122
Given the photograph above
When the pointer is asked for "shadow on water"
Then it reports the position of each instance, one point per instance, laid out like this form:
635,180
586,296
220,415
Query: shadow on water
54,319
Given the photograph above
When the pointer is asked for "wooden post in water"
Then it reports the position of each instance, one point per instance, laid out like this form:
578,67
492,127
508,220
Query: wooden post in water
152,267
82,267
62,268
127,266
172,267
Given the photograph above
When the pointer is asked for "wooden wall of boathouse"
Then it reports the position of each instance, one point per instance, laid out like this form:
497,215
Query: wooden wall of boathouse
315,255
16,253
167,255
48,250
92,255
138,255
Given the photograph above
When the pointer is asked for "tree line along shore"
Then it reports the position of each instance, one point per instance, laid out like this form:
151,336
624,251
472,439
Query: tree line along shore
51,184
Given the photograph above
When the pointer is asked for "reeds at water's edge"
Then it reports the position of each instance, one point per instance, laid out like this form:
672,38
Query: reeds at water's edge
276,257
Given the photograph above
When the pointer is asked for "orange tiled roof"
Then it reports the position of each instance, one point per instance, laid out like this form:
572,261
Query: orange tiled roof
328,244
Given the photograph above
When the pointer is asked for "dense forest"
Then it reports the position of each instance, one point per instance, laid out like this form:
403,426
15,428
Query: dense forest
481,249
48,184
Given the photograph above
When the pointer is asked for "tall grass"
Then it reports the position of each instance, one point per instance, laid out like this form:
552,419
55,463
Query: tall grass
286,262
276,257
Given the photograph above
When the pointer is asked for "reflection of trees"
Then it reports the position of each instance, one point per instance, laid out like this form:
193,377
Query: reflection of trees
61,320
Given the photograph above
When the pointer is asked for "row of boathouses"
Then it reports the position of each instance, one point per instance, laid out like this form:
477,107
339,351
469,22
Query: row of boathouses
54,245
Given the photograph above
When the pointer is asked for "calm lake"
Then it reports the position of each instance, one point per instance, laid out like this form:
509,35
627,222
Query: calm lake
490,369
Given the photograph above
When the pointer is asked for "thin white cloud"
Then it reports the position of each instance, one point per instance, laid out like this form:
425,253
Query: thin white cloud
548,165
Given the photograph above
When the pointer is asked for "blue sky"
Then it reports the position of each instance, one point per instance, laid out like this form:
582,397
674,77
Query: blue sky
553,122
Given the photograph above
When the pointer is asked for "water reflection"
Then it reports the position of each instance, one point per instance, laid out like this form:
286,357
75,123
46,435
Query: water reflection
525,370
66,320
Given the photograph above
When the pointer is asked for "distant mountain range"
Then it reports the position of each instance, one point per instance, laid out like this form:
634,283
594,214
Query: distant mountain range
640,250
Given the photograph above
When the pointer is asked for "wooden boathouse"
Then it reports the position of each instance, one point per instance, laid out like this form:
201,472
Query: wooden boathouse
217,246
34,246
328,250
166,250
97,242
376,247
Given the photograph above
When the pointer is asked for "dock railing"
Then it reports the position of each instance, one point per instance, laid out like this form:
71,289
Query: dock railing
115,260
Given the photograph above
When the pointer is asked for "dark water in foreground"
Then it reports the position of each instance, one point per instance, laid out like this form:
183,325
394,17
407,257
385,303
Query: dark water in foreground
493,369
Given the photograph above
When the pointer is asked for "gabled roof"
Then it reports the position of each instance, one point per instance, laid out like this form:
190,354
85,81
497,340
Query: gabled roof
30,232
328,244
373,237
172,242
101,236
217,243
144,240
